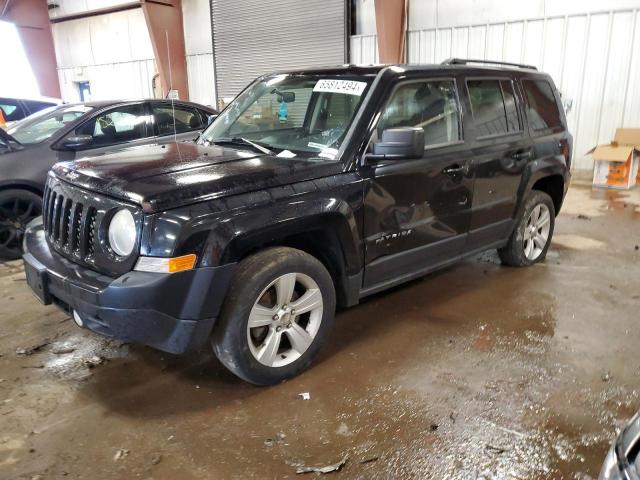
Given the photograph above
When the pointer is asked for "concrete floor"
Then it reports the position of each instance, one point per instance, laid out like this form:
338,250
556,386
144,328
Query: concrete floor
479,371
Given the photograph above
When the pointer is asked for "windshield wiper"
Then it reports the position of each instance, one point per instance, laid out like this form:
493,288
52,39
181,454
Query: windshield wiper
243,141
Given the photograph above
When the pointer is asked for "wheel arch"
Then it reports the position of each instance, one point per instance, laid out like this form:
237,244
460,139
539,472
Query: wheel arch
325,236
552,185
22,185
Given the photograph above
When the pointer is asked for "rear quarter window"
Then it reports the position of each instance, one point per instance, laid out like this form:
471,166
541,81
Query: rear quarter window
493,107
542,106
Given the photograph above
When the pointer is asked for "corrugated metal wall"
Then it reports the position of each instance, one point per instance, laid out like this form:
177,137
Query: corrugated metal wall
113,52
196,16
253,37
363,49
593,57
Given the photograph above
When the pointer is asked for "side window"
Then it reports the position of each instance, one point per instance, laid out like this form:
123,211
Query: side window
122,124
186,119
542,108
493,106
34,106
430,105
11,110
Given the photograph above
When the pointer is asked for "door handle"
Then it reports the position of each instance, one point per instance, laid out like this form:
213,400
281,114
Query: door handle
453,170
526,155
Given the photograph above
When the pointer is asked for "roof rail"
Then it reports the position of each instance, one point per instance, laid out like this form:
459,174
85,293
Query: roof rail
464,61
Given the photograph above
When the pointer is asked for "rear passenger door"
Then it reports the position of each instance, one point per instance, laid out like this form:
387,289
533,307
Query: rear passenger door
417,211
501,150
177,121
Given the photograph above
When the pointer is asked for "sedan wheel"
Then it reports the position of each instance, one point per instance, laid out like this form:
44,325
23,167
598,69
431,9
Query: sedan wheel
17,209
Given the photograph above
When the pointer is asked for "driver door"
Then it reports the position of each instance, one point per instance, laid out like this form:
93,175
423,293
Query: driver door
417,212
123,126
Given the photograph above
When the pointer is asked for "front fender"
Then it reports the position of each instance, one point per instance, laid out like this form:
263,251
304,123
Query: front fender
224,230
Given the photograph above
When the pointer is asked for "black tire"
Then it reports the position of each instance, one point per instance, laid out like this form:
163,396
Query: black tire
513,253
230,339
17,209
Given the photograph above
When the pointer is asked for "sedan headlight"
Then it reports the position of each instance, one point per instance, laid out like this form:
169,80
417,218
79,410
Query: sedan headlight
122,233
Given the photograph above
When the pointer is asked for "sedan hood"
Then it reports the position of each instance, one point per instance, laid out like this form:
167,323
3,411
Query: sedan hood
159,177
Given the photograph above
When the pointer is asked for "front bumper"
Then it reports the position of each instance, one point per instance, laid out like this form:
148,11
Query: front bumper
171,312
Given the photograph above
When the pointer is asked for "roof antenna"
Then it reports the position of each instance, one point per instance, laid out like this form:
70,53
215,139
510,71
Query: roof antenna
173,110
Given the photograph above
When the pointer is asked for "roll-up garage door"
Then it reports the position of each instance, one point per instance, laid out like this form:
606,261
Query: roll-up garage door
253,37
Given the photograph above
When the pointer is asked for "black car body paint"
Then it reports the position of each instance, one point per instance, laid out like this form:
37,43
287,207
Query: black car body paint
374,224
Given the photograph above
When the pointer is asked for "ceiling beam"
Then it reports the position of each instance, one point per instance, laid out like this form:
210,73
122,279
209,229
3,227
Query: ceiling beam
164,22
391,26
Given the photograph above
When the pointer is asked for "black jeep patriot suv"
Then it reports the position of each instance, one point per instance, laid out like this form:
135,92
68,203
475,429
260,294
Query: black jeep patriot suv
312,189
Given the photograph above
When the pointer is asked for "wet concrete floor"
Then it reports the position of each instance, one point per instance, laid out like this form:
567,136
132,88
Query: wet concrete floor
476,372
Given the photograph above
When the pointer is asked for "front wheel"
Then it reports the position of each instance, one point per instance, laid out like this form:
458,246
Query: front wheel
278,312
531,237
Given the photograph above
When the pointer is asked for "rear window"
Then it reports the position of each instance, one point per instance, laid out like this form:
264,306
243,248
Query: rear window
493,107
542,108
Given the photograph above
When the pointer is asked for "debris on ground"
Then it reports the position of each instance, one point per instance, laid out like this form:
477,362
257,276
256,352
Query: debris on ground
335,467
120,454
63,351
452,417
493,449
433,427
31,350
368,460
93,361
606,377
305,395
156,459
270,442
582,216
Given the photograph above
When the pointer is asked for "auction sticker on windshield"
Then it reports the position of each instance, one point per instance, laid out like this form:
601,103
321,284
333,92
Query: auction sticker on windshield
350,87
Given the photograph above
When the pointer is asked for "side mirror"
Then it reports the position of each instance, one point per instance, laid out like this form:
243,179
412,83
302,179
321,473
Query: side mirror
399,144
77,142
211,118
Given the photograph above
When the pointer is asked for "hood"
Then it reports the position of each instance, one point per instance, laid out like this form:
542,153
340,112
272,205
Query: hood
159,177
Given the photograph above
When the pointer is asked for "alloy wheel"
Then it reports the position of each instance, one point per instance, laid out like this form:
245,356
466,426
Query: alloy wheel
15,214
285,320
536,232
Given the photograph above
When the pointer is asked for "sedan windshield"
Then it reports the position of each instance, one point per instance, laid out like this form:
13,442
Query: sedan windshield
291,115
41,125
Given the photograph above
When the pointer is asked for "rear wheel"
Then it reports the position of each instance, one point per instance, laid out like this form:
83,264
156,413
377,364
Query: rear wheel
278,312
531,238
17,209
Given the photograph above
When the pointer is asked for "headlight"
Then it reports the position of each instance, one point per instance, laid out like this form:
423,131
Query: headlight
122,233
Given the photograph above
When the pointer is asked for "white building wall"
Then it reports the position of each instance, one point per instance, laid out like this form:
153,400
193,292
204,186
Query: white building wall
591,49
363,49
196,16
113,52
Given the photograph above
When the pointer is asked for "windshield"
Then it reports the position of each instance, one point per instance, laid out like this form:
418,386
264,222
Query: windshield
294,116
41,125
